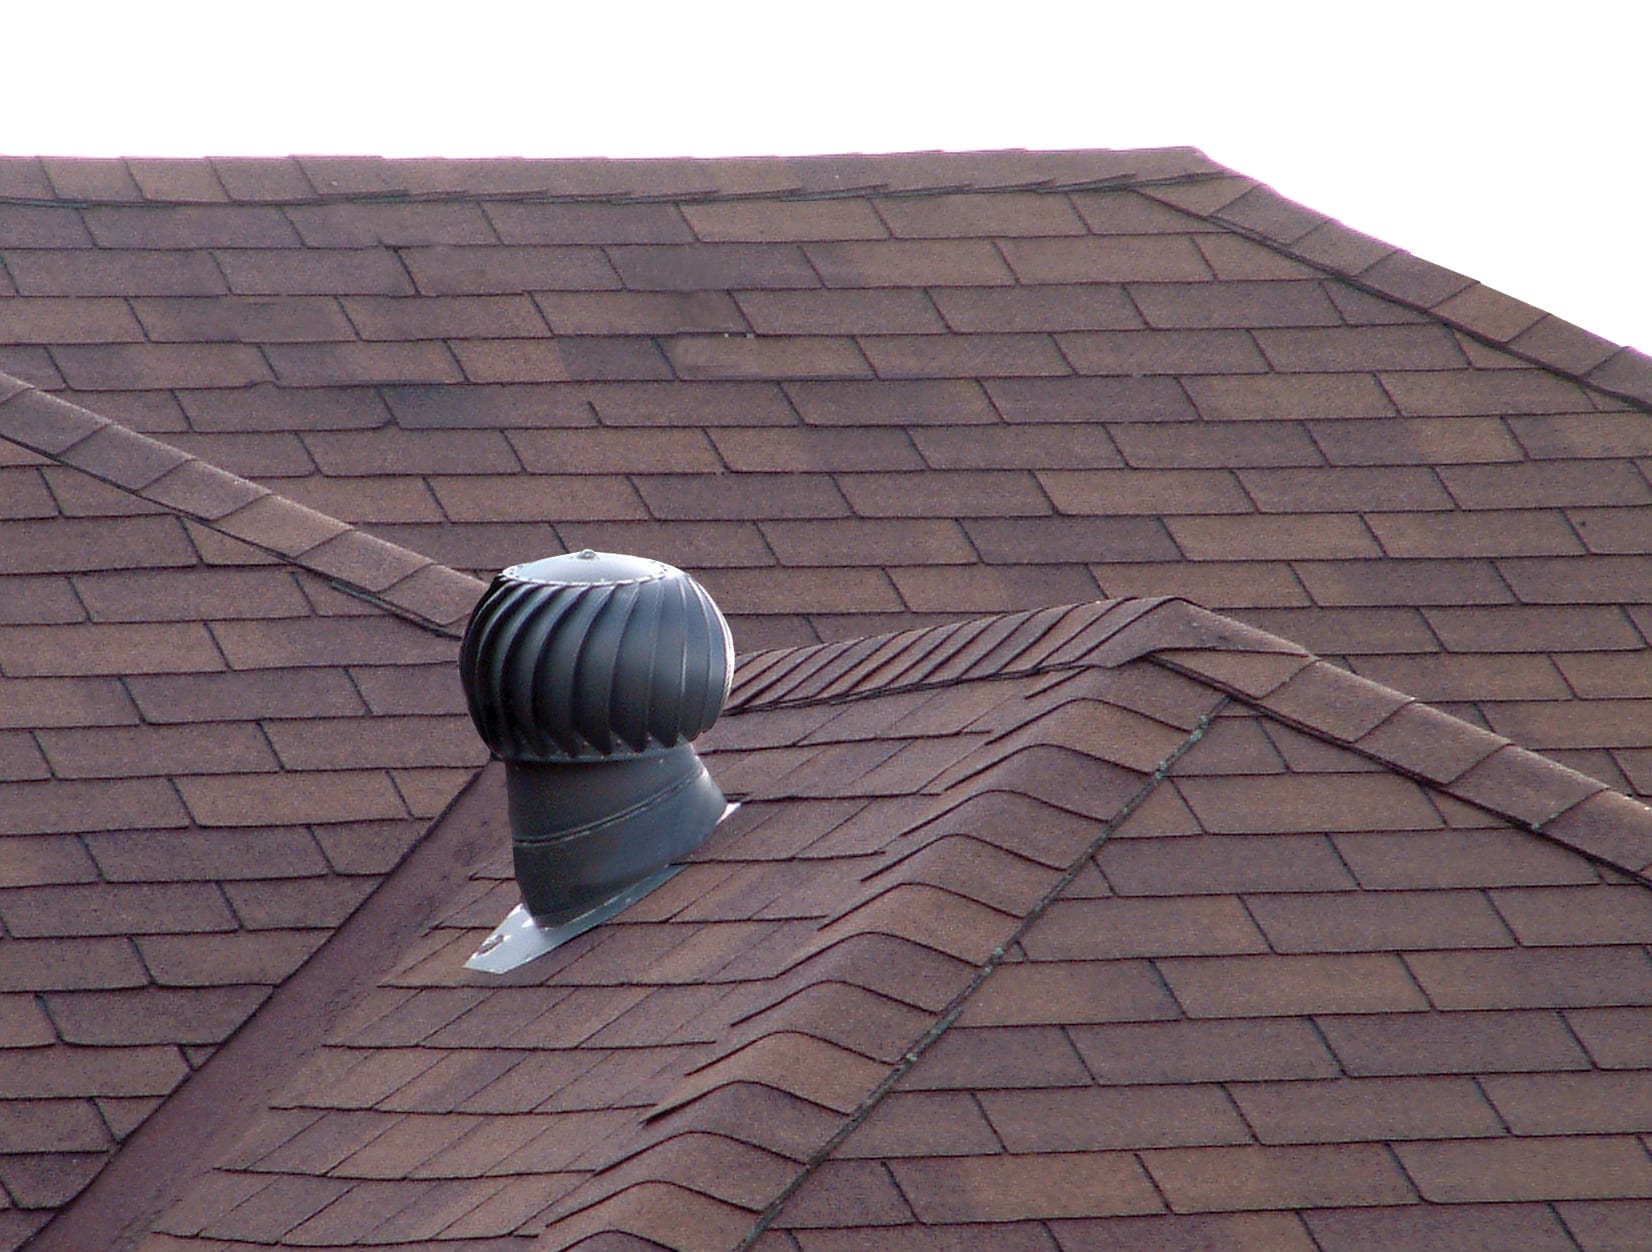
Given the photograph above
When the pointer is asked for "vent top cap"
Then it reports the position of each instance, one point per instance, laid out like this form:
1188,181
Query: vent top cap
582,568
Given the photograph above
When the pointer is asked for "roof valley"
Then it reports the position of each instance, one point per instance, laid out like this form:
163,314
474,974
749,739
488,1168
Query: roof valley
204,1116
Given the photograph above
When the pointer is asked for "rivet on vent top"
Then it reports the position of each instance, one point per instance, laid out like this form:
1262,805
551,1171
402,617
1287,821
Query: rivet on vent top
588,675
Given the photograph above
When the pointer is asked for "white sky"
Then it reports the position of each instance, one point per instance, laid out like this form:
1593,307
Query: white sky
1508,141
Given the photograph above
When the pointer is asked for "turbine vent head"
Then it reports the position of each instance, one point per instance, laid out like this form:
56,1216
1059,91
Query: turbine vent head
594,656
589,675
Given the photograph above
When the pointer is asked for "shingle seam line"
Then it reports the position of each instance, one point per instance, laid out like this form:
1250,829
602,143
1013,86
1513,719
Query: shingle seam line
950,1014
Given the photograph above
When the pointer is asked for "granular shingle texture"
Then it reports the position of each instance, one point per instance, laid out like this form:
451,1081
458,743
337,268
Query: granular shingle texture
1057,913
969,376
1020,931
192,800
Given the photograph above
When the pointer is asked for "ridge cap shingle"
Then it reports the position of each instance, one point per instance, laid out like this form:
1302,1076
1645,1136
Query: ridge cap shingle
393,577
1284,680
1494,318
302,179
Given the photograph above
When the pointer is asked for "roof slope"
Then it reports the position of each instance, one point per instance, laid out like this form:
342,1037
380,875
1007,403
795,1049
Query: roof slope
208,758
1036,941
852,395
861,393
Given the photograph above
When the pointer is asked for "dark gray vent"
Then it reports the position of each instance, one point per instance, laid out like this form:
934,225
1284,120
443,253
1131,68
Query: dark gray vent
588,675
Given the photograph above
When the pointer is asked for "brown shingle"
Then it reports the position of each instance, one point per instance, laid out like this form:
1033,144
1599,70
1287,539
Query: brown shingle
1045,1185
1570,1167
1274,806
762,221
1165,446
1207,865
904,263
1235,304
725,356
1416,441
919,402
703,267
86,320
968,216
1087,306
1380,921
57,1072
1081,399
107,648
868,541
463,271
1157,492
1005,541
1335,490
1318,536
1139,352
590,223
1618,530
981,493
1095,1119
886,311
91,272
547,498
1361,1110
1523,978
1540,484
1360,350
1453,1043
1120,258
1058,992
1491,533
918,1123
254,799
1206,1179
1261,986
1399,582
930,356
151,1016
1504,1224
1558,580
687,497
1490,392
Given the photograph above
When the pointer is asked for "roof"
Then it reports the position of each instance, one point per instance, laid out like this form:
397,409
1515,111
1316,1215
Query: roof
856,394
1047,923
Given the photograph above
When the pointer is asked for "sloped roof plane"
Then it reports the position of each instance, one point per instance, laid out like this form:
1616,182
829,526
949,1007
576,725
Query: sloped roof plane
1048,920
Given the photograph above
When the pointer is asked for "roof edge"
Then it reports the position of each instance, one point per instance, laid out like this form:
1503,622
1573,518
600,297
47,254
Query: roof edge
308,179
1252,209
1183,178
1262,670
394,578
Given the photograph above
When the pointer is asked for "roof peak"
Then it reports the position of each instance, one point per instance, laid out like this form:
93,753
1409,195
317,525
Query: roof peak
1262,670
306,179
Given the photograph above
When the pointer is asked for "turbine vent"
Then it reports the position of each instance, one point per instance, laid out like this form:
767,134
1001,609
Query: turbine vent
589,675
594,656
